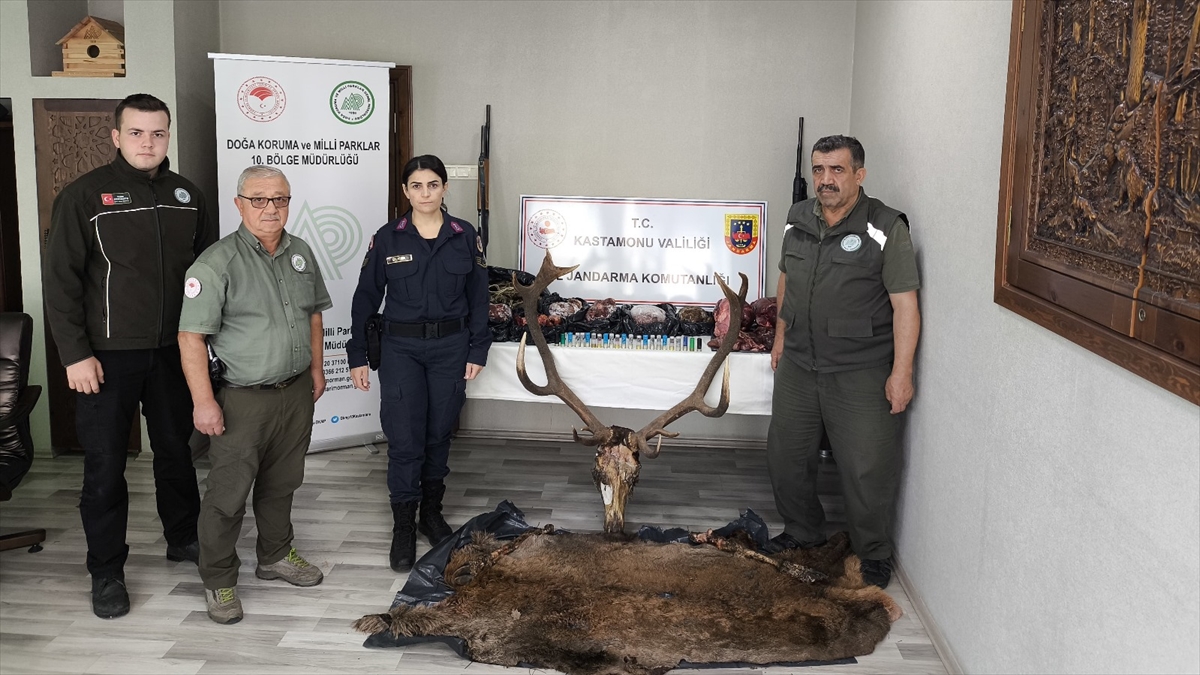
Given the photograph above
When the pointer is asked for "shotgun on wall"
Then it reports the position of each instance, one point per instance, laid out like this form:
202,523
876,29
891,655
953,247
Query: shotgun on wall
485,151
799,184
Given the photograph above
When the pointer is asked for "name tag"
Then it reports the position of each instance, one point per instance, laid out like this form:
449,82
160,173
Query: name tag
393,259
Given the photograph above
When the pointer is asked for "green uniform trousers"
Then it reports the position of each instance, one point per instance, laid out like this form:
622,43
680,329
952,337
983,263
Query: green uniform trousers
852,408
267,434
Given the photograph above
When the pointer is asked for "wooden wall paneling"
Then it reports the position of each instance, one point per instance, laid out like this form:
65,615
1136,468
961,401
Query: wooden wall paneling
1098,234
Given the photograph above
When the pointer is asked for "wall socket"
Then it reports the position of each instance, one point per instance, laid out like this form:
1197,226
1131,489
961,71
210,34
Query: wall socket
462,171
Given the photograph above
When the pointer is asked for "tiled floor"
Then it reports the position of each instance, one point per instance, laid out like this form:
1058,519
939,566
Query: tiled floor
343,524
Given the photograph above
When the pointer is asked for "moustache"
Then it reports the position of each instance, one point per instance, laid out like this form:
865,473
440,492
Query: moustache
827,188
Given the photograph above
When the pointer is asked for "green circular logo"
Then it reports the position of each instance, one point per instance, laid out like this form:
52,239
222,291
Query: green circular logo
352,102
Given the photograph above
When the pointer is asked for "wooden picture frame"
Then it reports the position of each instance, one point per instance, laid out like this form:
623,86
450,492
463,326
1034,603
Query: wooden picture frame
1098,238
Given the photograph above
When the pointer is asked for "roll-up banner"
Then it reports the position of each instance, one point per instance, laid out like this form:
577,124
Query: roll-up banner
646,250
324,123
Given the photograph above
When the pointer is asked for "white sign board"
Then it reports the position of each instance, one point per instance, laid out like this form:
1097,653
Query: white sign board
646,250
324,123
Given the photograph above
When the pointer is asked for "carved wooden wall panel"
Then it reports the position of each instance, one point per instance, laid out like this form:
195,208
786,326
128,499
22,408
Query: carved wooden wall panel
71,137
1100,197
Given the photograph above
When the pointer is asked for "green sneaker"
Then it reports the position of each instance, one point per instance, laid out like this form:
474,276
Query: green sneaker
293,569
223,605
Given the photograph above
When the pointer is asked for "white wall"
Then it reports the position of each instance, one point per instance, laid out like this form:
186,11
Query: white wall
1050,509
647,99
197,32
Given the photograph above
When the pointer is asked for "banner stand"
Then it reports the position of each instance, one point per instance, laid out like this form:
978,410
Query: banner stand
324,123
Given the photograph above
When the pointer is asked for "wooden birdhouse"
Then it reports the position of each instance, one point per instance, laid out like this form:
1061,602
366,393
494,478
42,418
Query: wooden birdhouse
93,48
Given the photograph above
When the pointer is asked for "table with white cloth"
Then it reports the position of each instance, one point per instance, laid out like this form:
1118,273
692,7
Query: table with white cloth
627,378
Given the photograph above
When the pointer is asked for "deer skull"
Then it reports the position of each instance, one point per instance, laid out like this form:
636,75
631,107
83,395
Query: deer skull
618,450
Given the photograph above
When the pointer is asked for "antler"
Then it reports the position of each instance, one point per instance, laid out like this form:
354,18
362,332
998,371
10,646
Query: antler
695,402
554,384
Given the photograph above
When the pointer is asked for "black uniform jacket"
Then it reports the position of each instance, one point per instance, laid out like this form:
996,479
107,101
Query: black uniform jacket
425,281
119,247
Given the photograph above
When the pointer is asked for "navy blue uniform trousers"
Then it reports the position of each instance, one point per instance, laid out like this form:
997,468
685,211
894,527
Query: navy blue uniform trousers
422,392
103,420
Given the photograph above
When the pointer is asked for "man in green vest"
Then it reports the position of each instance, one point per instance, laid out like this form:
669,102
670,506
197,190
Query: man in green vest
843,356
255,298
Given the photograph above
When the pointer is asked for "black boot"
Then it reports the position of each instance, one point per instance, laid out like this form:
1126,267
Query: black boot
431,523
109,597
404,536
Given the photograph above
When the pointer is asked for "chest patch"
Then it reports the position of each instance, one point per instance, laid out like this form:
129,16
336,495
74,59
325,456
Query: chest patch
299,263
115,198
183,196
851,242
393,259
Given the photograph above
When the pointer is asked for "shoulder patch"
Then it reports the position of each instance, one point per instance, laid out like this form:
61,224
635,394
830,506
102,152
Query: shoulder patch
192,287
479,244
371,244
480,261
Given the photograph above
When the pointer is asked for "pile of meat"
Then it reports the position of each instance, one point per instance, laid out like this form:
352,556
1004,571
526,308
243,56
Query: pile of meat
602,310
756,328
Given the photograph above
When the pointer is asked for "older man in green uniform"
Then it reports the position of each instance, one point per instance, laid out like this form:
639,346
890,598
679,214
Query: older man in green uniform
256,298
843,356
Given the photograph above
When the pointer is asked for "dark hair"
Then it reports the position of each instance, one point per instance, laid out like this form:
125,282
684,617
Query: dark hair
143,102
858,156
430,162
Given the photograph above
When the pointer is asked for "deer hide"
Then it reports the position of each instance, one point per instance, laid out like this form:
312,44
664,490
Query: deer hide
594,603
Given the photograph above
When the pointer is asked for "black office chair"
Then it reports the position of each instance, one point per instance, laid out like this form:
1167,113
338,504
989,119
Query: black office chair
17,399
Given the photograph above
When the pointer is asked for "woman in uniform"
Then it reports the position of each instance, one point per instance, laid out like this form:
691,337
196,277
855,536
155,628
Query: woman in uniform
430,267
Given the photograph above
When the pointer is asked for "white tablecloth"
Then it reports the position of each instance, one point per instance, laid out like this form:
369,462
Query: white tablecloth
618,378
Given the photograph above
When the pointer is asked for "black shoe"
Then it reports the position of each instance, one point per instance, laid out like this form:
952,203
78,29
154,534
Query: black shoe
180,553
785,542
109,597
877,572
404,537
431,524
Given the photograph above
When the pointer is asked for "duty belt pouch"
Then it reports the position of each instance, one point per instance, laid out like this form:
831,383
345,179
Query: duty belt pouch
374,340
216,368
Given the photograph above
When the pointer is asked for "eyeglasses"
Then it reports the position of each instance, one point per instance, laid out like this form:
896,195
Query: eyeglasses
261,202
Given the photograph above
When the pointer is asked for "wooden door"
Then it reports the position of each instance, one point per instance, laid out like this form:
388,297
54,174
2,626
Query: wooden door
10,234
71,137
400,81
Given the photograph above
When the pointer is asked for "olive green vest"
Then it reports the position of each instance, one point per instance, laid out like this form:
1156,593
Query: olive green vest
836,309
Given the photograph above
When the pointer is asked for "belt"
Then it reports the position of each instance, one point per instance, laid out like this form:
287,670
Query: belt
425,331
259,387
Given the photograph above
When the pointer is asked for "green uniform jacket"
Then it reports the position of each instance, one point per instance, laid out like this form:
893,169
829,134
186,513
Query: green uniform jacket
836,308
255,307
120,243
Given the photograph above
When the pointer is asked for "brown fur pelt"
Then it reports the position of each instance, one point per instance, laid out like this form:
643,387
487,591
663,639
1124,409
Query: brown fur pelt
593,603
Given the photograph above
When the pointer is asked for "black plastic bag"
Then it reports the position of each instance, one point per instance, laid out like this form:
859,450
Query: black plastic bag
669,326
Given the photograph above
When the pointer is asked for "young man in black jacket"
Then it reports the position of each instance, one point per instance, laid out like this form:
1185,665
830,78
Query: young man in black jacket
121,238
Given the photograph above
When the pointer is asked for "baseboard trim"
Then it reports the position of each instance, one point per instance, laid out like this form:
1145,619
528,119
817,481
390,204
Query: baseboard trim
945,653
